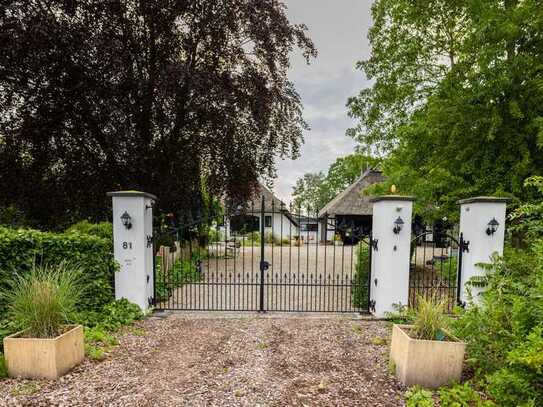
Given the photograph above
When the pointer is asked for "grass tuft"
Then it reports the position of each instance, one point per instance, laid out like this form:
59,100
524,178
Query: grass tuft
429,319
44,299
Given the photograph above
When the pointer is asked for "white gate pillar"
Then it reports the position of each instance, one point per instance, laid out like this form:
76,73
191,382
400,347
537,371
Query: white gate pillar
133,245
391,234
482,224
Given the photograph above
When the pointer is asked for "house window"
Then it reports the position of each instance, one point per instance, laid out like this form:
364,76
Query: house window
310,227
268,221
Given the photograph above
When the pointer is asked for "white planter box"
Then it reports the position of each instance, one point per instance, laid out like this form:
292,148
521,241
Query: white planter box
48,358
429,364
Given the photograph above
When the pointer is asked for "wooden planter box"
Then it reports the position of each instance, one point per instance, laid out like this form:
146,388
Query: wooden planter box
429,364
48,358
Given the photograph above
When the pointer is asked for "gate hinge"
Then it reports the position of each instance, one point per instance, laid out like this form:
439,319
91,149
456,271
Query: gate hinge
149,240
372,306
465,246
374,243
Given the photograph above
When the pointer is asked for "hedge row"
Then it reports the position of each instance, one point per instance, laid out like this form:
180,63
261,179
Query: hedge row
21,248
359,290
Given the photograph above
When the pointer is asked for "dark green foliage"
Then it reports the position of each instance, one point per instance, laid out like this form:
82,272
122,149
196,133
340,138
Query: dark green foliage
149,95
111,316
20,249
3,368
102,229
527,218
418,397
359,294
461,395
182,272
504,334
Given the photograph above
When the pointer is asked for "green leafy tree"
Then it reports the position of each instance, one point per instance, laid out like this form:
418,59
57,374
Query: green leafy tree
457,102
307,192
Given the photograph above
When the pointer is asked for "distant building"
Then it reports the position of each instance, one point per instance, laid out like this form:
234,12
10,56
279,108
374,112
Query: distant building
277,218
349,209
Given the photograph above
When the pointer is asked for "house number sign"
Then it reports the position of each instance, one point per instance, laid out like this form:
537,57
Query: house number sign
127,245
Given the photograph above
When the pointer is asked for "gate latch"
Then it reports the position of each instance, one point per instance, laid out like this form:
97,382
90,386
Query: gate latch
264,265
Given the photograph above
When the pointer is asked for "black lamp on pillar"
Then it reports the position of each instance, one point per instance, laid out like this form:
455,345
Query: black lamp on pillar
398,225
492,227
126,219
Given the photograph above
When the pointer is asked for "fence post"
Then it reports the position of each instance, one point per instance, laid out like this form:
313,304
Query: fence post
482,225
133,246
391,237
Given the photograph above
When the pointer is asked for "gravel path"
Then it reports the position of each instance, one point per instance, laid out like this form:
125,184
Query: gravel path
193,360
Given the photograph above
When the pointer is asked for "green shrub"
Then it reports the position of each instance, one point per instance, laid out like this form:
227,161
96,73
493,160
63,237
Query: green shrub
182,272
460,395
99,336
418,397
102,229
430,320
112,316
359,293
503,334
3,367
402,314
20,249
43,299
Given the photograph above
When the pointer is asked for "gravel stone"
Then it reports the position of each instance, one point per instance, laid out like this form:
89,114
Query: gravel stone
238,360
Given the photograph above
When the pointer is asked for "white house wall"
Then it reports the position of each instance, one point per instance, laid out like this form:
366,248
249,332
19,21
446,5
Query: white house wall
281,226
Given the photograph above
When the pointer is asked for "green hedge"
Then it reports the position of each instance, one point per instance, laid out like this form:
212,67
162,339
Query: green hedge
102,229
360,297
20,248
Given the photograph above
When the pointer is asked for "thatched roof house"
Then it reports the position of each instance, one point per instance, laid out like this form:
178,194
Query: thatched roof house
277,218
349,209
351,201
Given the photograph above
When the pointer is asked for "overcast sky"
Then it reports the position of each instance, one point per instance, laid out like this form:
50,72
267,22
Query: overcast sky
339,30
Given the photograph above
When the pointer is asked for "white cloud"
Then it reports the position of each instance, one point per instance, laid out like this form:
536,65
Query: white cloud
339,31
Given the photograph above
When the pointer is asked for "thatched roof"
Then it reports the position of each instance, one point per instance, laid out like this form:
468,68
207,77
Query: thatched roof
351,201
271,202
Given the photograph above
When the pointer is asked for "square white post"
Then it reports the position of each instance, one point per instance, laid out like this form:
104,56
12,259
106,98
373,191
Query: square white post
133,246
476,218
390,260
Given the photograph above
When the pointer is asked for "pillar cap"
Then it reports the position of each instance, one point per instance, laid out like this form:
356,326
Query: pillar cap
132,194
392,198
484,199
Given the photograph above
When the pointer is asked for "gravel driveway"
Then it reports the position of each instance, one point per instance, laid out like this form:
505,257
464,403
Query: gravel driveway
204,360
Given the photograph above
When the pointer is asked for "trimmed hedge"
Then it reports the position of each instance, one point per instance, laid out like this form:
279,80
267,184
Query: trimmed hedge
20,248
359,290
102,229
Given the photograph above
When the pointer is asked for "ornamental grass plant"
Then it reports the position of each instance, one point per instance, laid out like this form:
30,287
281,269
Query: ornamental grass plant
44,299
430,319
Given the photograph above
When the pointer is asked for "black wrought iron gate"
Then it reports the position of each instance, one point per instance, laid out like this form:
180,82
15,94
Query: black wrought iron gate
262,257
436,267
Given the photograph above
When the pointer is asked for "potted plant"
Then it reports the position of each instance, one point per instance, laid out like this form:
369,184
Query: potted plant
425,353
41,303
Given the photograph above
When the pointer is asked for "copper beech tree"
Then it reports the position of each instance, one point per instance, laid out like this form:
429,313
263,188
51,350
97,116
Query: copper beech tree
182,98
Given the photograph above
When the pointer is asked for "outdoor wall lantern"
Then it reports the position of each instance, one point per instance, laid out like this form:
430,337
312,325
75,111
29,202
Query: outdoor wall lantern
492,227
398,225
127,220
